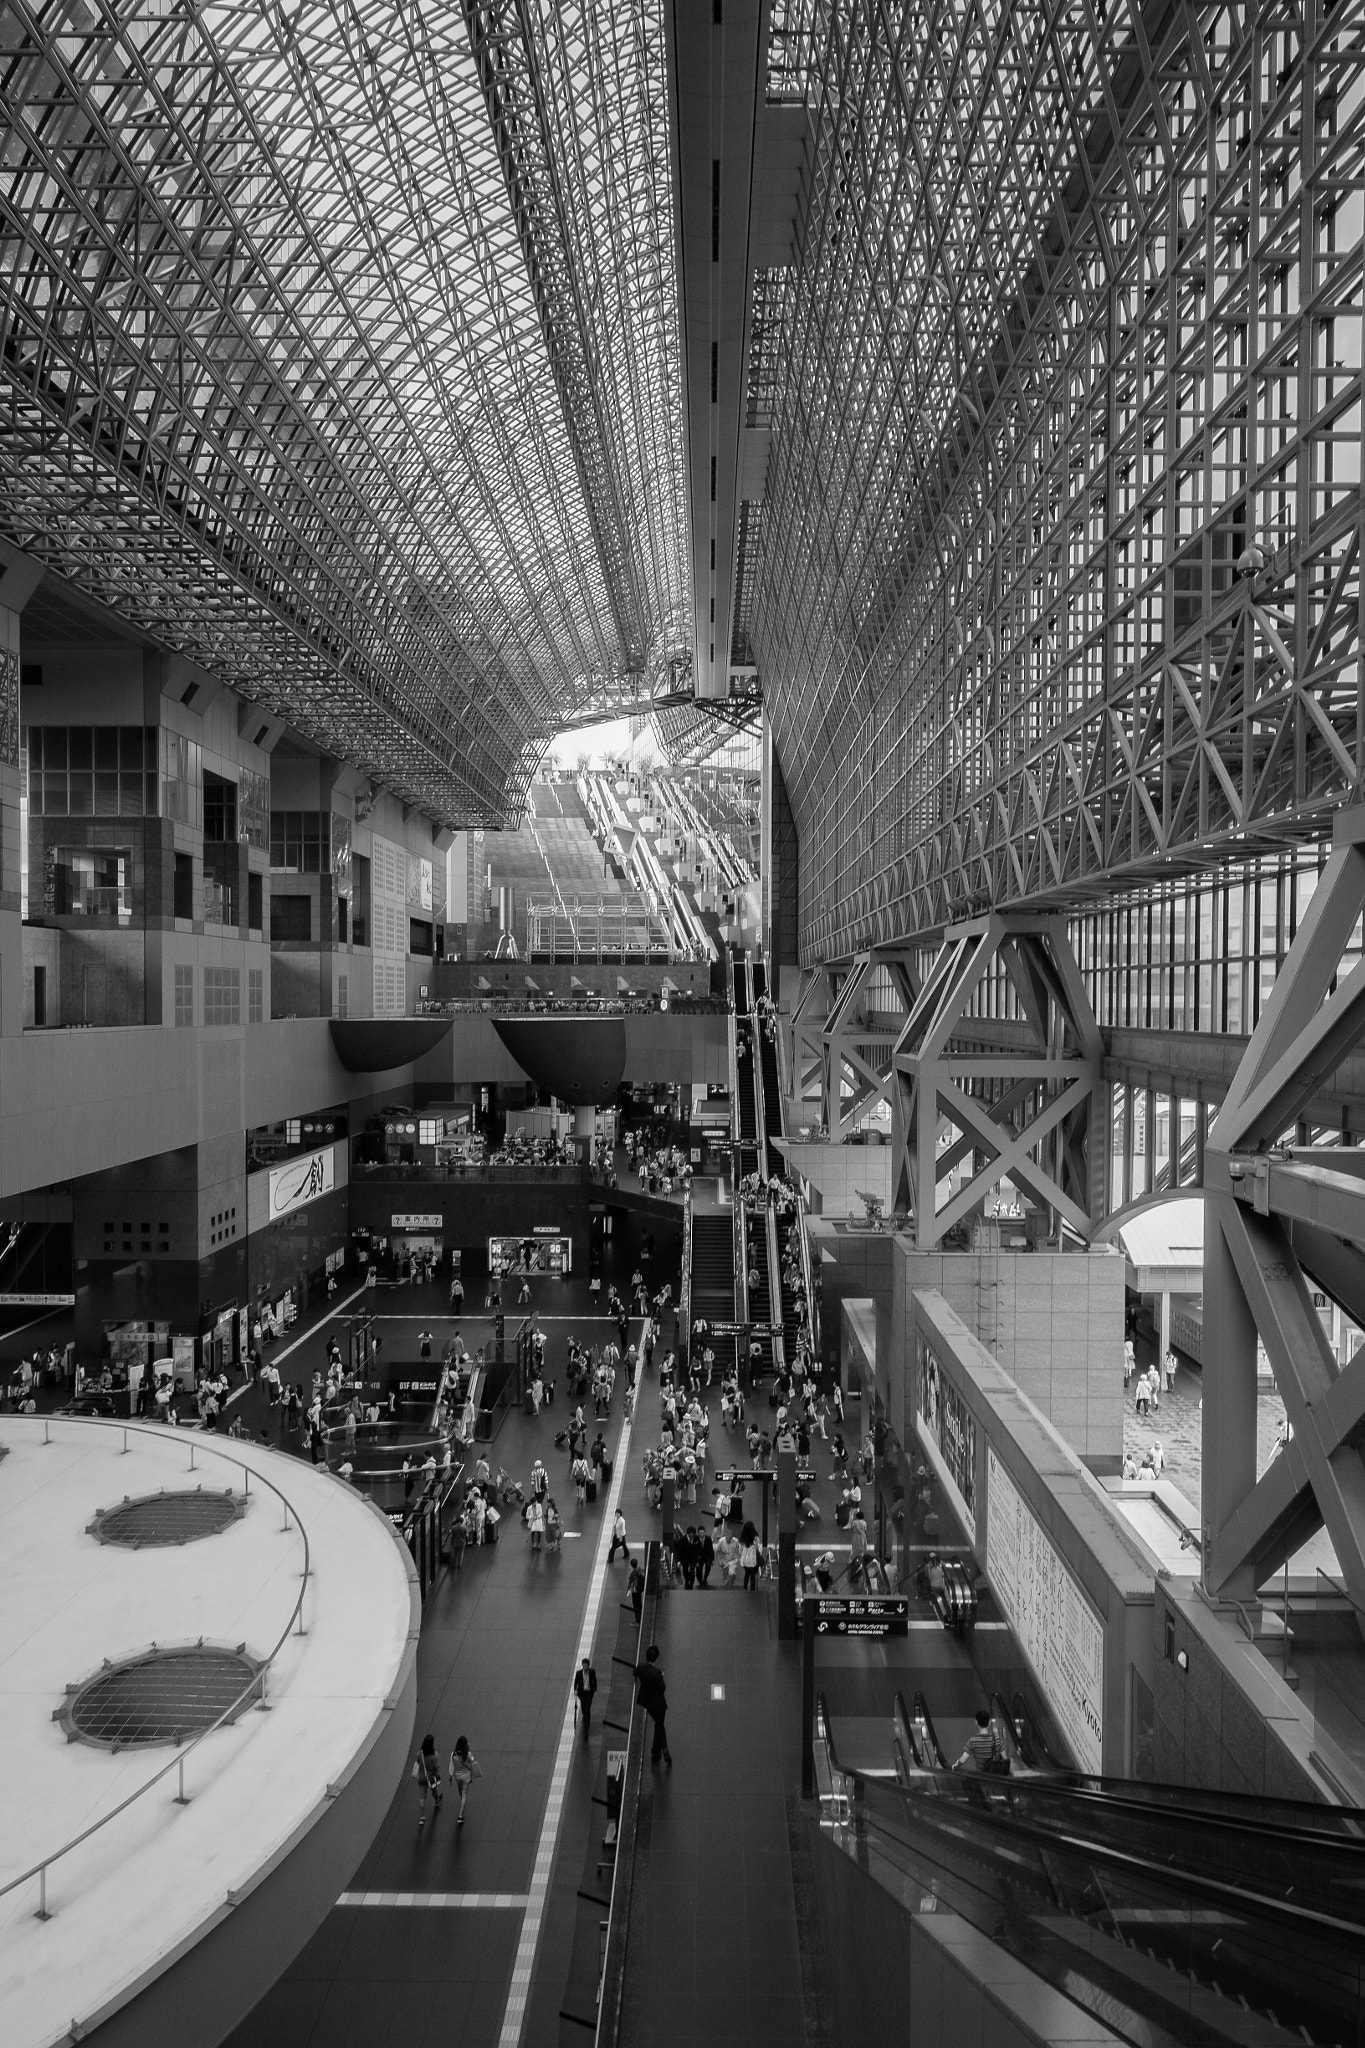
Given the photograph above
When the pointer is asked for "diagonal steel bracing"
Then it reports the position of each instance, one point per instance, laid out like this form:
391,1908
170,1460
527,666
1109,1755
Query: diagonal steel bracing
1279,1221
858,1037
1028,1113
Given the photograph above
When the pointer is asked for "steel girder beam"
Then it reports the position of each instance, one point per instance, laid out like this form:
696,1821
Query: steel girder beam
1033,1115
805,1060
1057,565
855,1051
1274,1217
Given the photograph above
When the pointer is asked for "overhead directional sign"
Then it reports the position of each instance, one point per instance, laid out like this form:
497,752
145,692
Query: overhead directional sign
868,1614
763,1472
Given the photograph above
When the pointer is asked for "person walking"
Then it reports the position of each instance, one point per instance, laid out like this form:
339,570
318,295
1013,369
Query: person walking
426,1769
463,1771
618,1538
584,1689
857,1534
706,1556
651,1693
749,1556
535,1522
635,1586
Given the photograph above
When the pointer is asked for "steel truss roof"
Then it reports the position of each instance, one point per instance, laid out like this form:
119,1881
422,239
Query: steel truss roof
288,381
1059,570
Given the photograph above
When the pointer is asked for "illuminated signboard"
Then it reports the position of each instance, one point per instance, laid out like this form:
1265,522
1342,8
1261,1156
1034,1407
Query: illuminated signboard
302,1180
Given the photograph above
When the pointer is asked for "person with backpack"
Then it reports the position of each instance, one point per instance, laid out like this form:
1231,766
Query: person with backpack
463,1771
426,1769
983,1752
584,1689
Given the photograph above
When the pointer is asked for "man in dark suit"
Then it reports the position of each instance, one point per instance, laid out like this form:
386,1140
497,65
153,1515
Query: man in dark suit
652,1696
584,1687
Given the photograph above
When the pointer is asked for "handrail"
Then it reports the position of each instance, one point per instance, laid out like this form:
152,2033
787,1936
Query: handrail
685,1277
951,1791
618,1930
258,1682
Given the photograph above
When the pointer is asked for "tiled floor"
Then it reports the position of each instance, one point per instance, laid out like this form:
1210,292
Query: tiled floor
714,1950
496,1661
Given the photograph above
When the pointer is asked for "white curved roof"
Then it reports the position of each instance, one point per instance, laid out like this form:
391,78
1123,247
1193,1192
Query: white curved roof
150,1882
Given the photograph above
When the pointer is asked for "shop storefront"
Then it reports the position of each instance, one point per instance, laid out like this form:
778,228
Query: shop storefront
417,1243
546,1251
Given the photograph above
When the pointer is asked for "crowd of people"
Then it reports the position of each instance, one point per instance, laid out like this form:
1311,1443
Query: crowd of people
663,1168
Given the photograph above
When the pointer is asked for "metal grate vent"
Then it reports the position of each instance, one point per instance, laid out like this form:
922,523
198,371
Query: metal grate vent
163,1695
167,1518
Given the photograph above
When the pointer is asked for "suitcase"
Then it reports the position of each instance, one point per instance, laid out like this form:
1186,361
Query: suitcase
606,1472
592,1489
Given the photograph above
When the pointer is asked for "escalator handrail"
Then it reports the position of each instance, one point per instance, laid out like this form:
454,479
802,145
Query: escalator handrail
935,1746
936,1800
1121,1795
904,1728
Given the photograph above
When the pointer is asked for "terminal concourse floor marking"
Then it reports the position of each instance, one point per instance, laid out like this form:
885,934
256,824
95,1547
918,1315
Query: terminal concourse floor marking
312,1331
473,1902
523,1967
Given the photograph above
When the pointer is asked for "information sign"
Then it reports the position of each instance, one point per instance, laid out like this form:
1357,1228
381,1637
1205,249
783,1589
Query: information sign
866,1614
766,1472
424,1222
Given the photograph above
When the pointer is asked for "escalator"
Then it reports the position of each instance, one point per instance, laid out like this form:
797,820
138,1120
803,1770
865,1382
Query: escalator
713,1276
1166,1915
35,1264
760,1286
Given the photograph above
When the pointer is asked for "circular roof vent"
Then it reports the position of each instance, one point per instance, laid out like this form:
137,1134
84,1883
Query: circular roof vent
167,1518
162,1695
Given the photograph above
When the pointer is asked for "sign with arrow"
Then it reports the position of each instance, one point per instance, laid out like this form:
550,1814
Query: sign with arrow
869,1614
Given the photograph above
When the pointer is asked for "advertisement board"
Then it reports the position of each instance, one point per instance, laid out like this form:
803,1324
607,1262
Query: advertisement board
301,1180
947,1429
1058,1630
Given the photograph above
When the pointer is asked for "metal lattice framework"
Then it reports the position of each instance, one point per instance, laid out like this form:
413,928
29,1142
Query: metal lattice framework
287,381
1060,577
